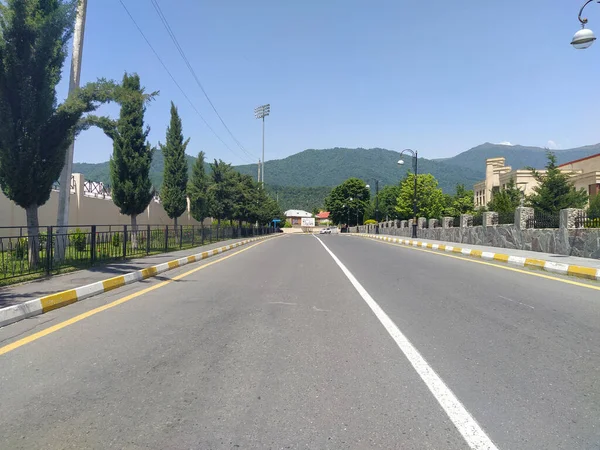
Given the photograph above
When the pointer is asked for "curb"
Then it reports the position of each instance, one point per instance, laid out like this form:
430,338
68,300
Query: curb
51,302
590,273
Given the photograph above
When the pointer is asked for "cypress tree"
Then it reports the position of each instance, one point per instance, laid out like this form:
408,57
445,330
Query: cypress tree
198,190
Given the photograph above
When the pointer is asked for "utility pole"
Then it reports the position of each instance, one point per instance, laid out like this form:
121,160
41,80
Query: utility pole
64,193
259,170
260,112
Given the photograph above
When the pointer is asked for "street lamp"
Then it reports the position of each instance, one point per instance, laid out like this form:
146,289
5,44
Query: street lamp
401,162
261,112
376,203
584,38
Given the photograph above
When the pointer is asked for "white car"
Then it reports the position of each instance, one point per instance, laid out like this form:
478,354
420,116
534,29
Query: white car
325,231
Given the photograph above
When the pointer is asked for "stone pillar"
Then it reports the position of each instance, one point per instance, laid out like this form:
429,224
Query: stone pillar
404,224
421,221
410,223
465,219
522,214
568,218
489,218
447,222
433,223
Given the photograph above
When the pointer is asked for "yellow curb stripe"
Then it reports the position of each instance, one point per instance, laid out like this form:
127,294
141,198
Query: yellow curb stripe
113,283
476,253
429,245
457,250
173,264
538,263
204,255
582,272
191,259
59,300
149,272
501,257
442,247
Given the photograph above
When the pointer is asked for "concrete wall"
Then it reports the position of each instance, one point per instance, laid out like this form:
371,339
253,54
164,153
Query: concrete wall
584,242
85,210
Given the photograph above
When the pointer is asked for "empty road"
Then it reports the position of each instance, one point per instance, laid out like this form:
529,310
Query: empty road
312,342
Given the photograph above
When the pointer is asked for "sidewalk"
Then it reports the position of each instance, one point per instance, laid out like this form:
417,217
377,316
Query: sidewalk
13,295
563,264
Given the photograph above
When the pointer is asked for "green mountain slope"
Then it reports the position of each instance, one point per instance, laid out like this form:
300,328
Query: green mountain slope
517,156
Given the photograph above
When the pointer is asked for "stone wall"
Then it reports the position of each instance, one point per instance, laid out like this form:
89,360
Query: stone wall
584,242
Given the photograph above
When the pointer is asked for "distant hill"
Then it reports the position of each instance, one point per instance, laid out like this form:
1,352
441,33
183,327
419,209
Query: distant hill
517,156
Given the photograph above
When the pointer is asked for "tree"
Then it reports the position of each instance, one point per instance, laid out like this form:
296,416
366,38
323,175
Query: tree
130,162
197,190
388,197
348,200
461,202
555,190
175,178
35,132
246,199
430,199
506,200
221,190
593,211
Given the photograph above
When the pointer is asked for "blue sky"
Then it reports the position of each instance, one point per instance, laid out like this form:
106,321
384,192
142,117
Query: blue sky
436,76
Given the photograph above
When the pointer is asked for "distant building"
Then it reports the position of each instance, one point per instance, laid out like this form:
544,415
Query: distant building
323,218
294,216
585,173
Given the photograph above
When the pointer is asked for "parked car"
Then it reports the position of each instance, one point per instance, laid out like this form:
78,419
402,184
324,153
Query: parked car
325,231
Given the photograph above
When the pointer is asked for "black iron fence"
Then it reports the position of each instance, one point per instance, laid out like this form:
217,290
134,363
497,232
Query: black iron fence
582,220
54,250
543,220
506,218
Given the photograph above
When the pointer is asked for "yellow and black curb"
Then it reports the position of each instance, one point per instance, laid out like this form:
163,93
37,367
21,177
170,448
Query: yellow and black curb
48,303
591,273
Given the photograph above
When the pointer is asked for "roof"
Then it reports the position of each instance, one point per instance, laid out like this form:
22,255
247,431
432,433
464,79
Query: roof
297,213
579,160
323,215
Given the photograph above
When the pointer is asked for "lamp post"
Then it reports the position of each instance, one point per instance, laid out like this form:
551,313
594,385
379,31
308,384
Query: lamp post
584,38
261,112
376,204
401,162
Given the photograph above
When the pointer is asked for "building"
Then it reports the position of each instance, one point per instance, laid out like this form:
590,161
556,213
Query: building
323,218
585,173
295,216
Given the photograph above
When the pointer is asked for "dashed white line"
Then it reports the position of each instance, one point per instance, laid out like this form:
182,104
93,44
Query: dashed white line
474,435
514,301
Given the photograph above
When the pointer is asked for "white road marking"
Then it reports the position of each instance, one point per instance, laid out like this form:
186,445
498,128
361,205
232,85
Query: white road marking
464,422
514,301
319,310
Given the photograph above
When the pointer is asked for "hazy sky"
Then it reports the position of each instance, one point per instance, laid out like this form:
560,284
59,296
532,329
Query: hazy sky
438,76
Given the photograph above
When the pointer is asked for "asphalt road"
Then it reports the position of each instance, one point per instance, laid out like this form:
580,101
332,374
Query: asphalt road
279,346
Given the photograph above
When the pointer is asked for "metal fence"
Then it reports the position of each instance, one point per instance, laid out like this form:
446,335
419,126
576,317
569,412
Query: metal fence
543,220
582,220
55,250
506,218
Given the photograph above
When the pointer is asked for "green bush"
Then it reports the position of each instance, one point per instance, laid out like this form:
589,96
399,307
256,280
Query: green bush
370,222
287,225
78,240
593,211
116,240
20,249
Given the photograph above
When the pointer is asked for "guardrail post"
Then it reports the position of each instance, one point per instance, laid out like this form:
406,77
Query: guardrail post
193,234
125,241
166,238
217,233
93,245
148,236
180,236
202,234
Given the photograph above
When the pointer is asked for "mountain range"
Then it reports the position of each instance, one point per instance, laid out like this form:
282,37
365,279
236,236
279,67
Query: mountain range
320,170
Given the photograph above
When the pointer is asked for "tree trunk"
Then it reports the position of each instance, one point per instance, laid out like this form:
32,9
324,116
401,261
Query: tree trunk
33,235
133,233
176,228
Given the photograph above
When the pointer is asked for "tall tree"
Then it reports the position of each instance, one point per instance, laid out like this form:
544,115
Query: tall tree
246,198
221,190
130,162
175,174
198,190
555,190
430,199
506,200
461,202
35,132
388,198
594,208
347,201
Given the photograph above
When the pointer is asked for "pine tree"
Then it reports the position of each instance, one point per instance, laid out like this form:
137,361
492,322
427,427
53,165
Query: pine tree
198,190
175,175
34,132
594,208
555,190
221,190
506,200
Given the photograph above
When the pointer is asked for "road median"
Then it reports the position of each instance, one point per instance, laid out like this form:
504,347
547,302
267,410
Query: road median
42,305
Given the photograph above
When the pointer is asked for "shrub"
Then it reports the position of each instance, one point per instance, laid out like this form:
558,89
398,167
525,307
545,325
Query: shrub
370,222
287,225
593,211
116,240
78,240
20,249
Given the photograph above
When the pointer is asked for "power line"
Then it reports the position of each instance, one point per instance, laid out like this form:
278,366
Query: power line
175,81
165,22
